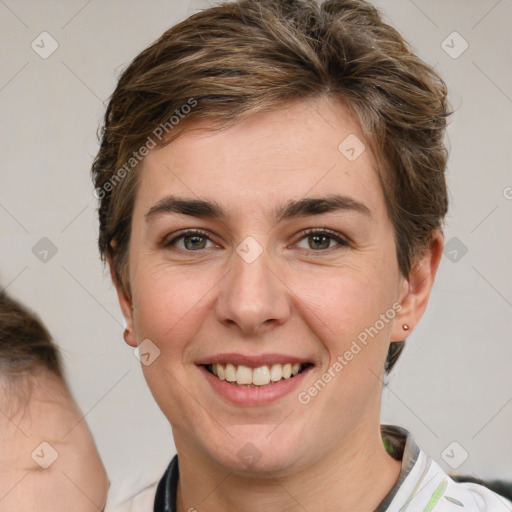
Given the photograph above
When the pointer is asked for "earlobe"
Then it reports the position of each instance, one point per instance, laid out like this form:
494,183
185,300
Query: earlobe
129,338
417,287
127,310
125,302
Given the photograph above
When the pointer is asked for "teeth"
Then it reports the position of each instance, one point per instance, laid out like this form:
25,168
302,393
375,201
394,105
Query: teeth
230,372
244,375
276,372
260,376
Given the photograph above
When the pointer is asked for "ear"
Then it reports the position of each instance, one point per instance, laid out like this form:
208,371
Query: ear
416,288
125,302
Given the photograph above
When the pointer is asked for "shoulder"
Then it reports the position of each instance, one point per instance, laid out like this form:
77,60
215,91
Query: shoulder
141,502
423,486
434,490
471,496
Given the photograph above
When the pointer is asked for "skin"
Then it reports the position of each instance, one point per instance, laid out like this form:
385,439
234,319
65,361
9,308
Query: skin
296,298
40,409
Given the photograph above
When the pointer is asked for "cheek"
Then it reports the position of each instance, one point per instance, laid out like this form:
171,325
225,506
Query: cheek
169,306
351,314
353,303
169,311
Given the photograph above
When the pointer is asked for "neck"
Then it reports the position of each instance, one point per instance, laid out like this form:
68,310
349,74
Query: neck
355,476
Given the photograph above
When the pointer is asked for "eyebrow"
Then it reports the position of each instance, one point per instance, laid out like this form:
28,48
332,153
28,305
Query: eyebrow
208,209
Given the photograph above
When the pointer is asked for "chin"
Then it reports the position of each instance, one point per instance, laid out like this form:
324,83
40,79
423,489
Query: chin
256,450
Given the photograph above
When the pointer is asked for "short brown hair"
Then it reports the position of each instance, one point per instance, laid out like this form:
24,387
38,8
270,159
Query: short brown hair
249,56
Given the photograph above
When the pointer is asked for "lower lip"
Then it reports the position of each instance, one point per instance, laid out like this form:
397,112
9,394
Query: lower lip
257,395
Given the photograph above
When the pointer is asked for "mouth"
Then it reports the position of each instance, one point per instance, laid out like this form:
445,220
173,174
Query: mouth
256,377
254,380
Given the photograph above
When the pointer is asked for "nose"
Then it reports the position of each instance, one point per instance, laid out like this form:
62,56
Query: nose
252,296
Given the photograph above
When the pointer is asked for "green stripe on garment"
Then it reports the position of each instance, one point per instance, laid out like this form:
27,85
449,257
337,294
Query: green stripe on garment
388,446
437,495
453,500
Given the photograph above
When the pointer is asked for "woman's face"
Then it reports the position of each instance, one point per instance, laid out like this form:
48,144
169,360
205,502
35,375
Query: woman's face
257,283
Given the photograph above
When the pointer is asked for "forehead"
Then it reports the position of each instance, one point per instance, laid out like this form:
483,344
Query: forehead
308,148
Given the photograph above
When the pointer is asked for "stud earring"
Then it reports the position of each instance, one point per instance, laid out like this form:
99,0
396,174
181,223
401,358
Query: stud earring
405,327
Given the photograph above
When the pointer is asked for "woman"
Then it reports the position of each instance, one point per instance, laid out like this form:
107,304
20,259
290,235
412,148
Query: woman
272,192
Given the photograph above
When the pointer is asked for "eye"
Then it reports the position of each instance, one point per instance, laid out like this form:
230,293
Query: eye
190,240
320,240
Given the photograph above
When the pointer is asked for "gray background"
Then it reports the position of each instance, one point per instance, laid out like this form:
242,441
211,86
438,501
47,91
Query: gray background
454,381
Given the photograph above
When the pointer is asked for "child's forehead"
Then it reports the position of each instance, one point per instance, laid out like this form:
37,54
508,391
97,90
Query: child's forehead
33,393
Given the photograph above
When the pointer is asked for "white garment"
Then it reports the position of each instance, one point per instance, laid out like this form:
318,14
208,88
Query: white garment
428,488
141,502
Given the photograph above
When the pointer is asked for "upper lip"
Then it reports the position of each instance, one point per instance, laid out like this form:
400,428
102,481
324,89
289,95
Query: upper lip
252,361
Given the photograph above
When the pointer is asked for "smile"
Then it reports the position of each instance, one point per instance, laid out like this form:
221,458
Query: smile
241,375
251,381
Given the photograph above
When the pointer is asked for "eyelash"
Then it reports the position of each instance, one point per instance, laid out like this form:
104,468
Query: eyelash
343,242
